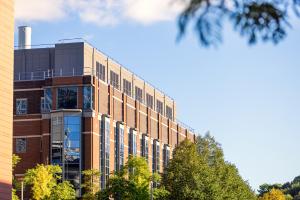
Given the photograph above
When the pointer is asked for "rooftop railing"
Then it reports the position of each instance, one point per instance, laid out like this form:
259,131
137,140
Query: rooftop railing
185,125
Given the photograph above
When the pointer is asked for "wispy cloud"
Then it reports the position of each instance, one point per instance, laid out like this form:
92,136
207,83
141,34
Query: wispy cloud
99,12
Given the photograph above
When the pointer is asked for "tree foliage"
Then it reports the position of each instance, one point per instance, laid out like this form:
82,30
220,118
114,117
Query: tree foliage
230,184
90,183
198,171
290,189
132,182
266,20
15,160
43,180
187,176
273,194
63,191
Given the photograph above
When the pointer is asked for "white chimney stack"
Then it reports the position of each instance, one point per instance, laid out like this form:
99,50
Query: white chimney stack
24,37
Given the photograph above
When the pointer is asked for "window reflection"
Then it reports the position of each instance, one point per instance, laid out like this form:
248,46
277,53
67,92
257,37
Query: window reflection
119,147
105,151
67,98
88,103
65,149
47,100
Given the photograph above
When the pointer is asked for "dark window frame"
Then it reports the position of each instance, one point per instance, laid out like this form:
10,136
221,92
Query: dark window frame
114,79
149,100
159,107
169,112
127,87
100,70
18,143
139,94
20,110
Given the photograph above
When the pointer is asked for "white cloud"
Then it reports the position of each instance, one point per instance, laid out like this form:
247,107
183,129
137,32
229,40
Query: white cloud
151,11
39,10
99,12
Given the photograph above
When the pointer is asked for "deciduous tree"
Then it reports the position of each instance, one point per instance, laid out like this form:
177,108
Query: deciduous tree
273,194
15,160
199,171
63,191
132,182
230,184
90,183
265,20
187,176
43,180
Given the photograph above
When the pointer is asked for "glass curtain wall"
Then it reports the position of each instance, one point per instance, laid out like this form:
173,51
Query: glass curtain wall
119,146
66,146
132,142
88,95
47,100
145,147
104,151
156,156
166,155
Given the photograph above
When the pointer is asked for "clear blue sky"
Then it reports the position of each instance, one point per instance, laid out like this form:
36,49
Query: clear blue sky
247,96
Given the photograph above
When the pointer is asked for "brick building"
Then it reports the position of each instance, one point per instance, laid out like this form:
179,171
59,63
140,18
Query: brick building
6,95
76,107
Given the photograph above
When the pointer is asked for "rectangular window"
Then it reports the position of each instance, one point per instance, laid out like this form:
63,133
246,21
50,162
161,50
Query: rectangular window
56,141
47,100
21,145
105,151
149,102
145,147
21,106
127,87
159,107
132,143
88,95
138,94
43,105
166,155
169,112
72,151
114,79
119,147
66,147
67,98
100,70
156,156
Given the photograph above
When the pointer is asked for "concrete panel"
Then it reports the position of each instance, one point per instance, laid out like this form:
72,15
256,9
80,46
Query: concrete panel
69,58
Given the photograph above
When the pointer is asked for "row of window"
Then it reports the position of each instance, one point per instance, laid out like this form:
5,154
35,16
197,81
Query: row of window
127,89
132,149
66,99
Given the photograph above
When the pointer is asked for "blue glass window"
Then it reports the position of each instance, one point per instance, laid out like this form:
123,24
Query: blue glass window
66,148
132,143
88,103
72,130
47,100
105,151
